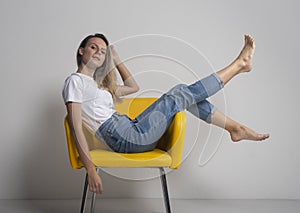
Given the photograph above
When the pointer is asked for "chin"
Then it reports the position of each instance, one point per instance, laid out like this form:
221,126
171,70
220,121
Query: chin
93,65
98,64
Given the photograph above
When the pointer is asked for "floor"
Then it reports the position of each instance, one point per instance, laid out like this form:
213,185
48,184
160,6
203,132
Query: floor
152,206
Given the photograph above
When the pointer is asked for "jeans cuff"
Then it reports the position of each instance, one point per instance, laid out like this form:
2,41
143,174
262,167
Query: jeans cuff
209,117
218,79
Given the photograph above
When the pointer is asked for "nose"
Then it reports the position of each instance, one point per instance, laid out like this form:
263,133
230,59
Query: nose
98,52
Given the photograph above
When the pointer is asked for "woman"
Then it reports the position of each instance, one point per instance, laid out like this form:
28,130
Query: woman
89,95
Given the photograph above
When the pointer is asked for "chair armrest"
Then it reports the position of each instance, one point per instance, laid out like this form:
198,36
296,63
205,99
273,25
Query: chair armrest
173,139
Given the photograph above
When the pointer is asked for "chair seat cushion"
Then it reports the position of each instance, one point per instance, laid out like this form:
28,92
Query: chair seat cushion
155,158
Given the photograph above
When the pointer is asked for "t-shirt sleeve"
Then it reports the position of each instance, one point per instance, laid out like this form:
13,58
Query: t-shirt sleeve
72,90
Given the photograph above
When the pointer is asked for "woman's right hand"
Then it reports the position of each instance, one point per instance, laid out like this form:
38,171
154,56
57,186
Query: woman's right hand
95,182
75,119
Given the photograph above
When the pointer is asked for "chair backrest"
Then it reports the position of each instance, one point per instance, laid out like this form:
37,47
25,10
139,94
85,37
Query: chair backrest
73,154
132,107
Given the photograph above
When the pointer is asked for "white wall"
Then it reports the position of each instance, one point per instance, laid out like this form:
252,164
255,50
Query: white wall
38,44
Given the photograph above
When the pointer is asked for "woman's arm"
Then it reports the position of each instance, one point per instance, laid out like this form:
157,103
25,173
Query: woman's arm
75,120
130,86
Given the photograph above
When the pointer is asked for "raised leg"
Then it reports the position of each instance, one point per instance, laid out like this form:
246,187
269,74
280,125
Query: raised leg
165,189
243,63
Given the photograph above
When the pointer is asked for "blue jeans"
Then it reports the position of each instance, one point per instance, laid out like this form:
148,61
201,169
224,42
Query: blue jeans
141,134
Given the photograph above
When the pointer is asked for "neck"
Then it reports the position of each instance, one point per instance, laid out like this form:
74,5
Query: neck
86,71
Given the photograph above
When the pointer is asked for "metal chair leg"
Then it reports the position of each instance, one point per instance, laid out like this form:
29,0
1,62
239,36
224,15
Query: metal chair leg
84,194
165,189
93,202
94,197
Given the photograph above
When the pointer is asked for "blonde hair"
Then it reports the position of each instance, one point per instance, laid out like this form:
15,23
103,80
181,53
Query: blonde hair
105,76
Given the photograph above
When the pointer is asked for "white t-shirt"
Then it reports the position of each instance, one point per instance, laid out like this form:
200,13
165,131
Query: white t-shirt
96,104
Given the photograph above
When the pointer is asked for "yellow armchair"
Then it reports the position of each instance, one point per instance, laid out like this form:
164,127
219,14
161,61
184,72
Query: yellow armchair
168,152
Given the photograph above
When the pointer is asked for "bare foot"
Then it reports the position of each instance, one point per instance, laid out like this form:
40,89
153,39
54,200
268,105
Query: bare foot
245,133
244,60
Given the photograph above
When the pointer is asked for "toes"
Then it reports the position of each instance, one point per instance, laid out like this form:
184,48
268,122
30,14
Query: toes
262,136
249,39
252,40
246,39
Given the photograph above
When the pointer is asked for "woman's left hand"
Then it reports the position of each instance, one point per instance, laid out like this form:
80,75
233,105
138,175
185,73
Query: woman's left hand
130,86
115,55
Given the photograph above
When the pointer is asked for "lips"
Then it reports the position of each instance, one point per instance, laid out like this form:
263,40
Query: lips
97,57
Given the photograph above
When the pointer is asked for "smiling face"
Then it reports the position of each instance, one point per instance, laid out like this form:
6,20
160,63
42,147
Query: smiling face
93,54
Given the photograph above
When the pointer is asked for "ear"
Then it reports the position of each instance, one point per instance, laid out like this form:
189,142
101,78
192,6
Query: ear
80,51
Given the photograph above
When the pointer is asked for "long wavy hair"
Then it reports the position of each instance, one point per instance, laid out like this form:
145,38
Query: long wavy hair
107,69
